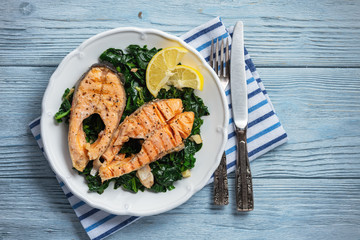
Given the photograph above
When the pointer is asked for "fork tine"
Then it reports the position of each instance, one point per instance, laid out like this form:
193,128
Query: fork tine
217,58
212,54
227,61
222,60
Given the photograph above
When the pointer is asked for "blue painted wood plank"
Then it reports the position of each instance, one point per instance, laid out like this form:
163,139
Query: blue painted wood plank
319,110
284,209
307,188
277,33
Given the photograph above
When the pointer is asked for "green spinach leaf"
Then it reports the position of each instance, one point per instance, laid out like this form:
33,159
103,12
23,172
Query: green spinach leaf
64,111
94,182
92,126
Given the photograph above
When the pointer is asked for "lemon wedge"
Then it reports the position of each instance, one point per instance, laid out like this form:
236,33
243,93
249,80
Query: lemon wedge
163,70
185,76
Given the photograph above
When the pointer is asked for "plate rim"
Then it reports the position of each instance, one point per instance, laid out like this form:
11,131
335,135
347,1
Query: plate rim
224,129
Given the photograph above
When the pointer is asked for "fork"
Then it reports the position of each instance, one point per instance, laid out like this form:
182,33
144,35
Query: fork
221,65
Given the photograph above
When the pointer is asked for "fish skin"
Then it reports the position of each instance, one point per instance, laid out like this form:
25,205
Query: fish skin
140,124
160,143
100,90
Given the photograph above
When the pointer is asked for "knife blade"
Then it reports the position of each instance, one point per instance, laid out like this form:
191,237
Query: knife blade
239,101
238,78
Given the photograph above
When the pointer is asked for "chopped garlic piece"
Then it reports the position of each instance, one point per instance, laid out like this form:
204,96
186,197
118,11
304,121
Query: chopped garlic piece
145,176
93,172
186,173
196,138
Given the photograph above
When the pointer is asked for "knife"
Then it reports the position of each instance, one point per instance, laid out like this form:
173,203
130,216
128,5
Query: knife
239,101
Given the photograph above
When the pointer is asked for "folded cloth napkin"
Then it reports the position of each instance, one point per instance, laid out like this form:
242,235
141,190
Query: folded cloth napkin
265,131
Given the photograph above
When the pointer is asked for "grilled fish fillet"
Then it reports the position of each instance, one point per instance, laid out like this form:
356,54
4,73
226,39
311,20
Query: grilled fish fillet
141,123
165,140
100,91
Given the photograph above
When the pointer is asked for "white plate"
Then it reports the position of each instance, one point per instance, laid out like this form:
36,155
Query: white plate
213,131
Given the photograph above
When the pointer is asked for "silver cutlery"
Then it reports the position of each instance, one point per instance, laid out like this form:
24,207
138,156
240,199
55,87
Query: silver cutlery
243,179
220,63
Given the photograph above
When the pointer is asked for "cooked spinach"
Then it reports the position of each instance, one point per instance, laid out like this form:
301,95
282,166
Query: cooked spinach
92,126
168,169
132,146
64,111
129,182
132,64
94,182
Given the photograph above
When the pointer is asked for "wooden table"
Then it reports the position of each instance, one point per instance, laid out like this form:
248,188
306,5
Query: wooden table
308,55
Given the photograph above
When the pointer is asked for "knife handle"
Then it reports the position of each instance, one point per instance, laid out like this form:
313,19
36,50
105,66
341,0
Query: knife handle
221,192
243,180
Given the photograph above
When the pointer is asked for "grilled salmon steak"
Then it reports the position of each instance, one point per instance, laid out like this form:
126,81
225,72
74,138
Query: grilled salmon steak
99,91
160,142
141,123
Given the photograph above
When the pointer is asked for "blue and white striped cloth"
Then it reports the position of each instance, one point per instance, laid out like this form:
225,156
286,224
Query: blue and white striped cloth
265,131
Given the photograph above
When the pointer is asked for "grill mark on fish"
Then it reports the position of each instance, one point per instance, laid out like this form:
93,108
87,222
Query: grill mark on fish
142,123
144,120
165,140
151,118
164,108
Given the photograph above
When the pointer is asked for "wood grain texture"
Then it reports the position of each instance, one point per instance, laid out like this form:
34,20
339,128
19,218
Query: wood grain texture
307,54
277,33
298,185
284,209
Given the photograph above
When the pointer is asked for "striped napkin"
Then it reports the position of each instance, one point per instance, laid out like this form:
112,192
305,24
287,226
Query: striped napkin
265,131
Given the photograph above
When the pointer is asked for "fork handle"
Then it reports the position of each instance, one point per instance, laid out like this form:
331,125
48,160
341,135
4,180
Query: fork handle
221,192
243,180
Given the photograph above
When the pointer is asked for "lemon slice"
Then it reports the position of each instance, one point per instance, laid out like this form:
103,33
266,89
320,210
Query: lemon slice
160,68
185,76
